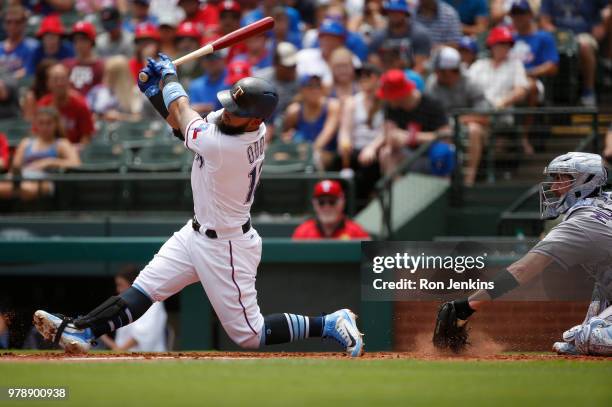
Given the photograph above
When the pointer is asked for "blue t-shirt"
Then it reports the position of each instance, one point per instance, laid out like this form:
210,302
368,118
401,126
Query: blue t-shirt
578,16
470,9
416,78
203,90
65,51
535,49
355,43
17,58
257,14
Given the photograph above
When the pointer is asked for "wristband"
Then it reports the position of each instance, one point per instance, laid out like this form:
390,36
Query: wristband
503,282
171,92
169,79
463,309
157,100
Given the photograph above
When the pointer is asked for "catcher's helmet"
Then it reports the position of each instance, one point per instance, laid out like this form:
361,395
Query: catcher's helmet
587,176
250,97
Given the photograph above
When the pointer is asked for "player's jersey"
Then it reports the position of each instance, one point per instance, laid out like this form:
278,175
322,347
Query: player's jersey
584,239
225,172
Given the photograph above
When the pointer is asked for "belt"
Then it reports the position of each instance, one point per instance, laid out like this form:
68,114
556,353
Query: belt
211,233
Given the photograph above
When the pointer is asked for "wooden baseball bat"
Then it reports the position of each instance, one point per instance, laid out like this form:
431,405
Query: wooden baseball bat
227,40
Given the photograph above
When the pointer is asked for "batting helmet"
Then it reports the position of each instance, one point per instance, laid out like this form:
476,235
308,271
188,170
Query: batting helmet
587,175
250,97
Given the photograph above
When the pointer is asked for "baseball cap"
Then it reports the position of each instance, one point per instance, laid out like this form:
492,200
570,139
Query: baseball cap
447,58
167,19
229,5
442,158
146,31
306,79
110,18
328,187
499,35
332,27
50,25
286,54
86,28
394,85
467,42
396,5
188,29
237,70
520,7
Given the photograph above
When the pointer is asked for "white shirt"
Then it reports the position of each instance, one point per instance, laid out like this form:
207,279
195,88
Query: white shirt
498,82
225,172
149,331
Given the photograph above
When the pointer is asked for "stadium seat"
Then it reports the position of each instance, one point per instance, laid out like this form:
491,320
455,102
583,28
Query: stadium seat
158,157
102,157
284,158
131,135
15,130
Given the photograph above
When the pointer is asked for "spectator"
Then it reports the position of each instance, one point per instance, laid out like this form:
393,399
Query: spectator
147,333
474,15
368,22
48,7
536,49
584,20
146,39
265,9
607,153
206,18
51,45
343,73
283,76
315,61
114,40
412,118
38,89
468,48
167,35
503,79
9,99
314,118
396,54
455,90
117,98
330,222
4,153
17,49
46,149
85,69
258,52
139,14
361,134
203,90
400,25
188,39
237,70
164,8
281,32
77,120
441,20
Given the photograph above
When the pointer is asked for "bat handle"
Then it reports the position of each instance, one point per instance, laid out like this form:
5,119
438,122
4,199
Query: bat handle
143,77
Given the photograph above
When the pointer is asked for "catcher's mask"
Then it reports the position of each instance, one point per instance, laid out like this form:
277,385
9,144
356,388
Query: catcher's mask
584,176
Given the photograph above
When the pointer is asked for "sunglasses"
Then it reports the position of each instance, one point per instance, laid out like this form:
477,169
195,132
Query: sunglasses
323,201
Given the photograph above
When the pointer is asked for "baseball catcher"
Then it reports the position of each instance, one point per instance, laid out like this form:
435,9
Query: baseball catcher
583,240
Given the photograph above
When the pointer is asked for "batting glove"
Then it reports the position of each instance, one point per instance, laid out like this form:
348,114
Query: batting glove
163,66
150,87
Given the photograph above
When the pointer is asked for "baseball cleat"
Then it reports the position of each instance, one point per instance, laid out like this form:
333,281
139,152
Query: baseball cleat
71,339
342,327
564,348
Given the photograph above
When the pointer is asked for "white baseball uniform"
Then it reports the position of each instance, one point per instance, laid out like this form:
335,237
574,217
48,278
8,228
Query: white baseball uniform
149,331
224,176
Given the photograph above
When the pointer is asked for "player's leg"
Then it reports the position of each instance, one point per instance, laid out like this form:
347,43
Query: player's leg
228,271
166,274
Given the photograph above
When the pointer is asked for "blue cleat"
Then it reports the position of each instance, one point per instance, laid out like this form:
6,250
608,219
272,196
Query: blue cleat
71,339
565,348
342,327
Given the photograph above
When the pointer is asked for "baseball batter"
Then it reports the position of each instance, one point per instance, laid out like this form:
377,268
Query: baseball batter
583,240
219,247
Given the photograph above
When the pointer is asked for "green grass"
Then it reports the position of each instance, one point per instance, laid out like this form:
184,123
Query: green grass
316,382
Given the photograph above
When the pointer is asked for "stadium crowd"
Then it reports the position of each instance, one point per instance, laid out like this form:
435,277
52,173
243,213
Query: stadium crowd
365,82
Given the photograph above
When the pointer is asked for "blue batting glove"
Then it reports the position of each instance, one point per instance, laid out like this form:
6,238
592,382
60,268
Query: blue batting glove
163,66
150,87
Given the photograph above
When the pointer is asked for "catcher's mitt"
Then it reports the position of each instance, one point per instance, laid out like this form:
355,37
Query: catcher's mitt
451,332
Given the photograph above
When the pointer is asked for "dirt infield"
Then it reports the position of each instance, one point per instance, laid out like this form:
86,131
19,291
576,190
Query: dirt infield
16,356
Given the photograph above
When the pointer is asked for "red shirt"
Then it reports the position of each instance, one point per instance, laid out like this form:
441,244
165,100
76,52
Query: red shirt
85,76
76,116
4,153
207,18
347,230
135,66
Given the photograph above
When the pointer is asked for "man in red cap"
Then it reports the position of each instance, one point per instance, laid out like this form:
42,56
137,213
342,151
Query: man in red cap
51,46
413,118
237,70
330,221
76,116
206,17
86,69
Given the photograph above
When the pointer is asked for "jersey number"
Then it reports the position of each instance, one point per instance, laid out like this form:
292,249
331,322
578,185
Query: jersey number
253,181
